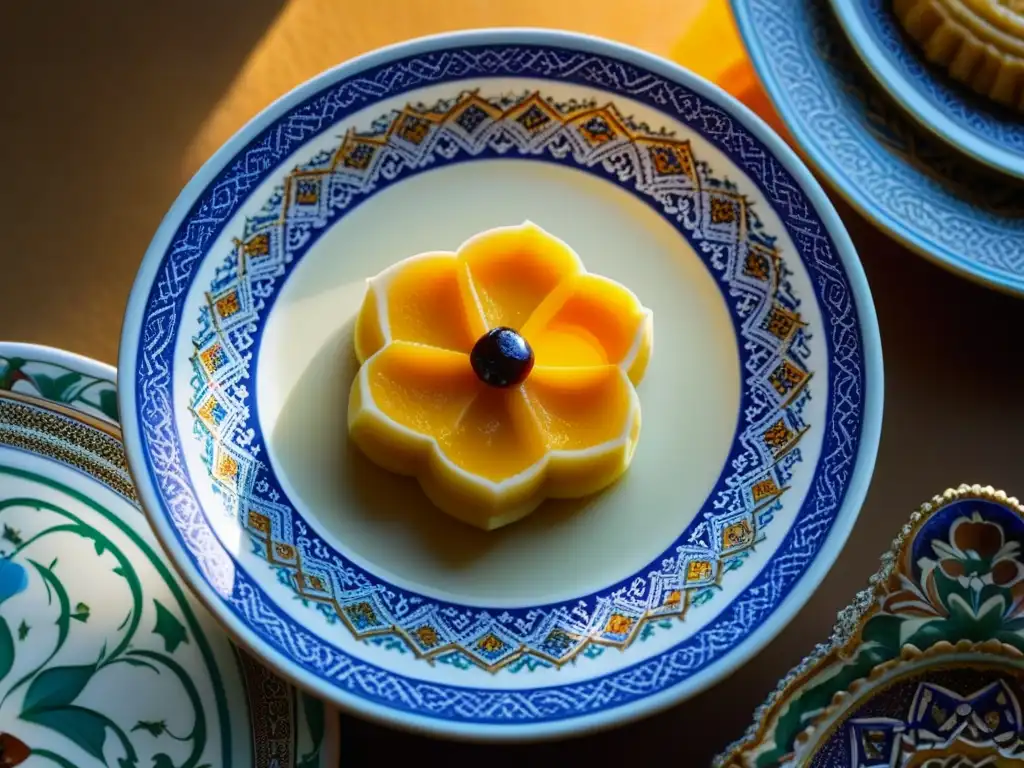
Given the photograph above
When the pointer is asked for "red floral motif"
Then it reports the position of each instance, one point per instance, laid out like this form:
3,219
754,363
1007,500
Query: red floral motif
976,535
13,751
976,556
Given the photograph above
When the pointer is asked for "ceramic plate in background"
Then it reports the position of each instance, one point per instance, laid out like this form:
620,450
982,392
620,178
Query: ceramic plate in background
105,657
925,666
909,184
762,403
970,123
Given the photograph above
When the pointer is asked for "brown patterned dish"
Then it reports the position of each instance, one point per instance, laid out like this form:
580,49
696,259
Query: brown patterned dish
979,42
926,666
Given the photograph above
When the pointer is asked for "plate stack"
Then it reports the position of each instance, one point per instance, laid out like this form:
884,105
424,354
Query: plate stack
911,111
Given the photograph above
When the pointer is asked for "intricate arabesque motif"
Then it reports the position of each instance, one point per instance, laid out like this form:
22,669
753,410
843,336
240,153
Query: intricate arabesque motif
910,182
955,575
60,686
59,710
277,710
713,214
94,396
952,707
272,700
524,662
26,426
252,606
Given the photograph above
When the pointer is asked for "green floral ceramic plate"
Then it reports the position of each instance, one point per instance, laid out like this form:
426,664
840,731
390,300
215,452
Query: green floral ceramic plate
105,658
925,669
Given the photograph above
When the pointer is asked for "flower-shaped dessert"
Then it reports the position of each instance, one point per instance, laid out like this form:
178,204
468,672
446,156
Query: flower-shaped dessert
499,375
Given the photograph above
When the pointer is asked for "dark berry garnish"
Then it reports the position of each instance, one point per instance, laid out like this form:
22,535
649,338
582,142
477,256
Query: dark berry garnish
502,358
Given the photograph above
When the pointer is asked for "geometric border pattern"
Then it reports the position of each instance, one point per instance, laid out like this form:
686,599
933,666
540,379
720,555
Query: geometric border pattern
663,170
32,424
162,449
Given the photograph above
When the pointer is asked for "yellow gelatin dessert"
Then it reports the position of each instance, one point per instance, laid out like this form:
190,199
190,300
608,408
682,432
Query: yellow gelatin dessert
499,375
980,42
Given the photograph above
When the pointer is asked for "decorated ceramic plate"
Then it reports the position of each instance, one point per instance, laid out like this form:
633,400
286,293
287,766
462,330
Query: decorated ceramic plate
900,177
983,129
105,658
926,666
761,401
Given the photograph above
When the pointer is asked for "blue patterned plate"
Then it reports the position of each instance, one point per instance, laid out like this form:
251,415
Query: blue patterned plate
762,402
978,127
105,660
906,182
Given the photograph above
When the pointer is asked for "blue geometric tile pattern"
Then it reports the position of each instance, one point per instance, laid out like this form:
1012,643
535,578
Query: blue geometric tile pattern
594,138
908,182
246,599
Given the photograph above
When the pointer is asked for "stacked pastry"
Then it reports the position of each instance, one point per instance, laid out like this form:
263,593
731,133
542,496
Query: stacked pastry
980,42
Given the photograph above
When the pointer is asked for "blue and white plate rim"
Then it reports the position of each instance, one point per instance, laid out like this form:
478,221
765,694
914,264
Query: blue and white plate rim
864,39
798,594
875,212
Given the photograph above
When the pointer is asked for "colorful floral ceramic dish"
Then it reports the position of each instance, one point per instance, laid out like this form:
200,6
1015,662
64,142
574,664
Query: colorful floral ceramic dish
902,179
499,375
105,657
926,666
766,386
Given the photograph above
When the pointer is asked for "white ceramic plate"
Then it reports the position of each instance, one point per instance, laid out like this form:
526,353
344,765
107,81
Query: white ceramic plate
762,403
105,659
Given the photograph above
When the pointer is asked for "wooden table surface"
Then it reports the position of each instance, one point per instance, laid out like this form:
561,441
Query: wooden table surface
110,107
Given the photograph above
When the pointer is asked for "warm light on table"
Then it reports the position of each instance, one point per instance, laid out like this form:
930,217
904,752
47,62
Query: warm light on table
711,47
110,108
309,36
